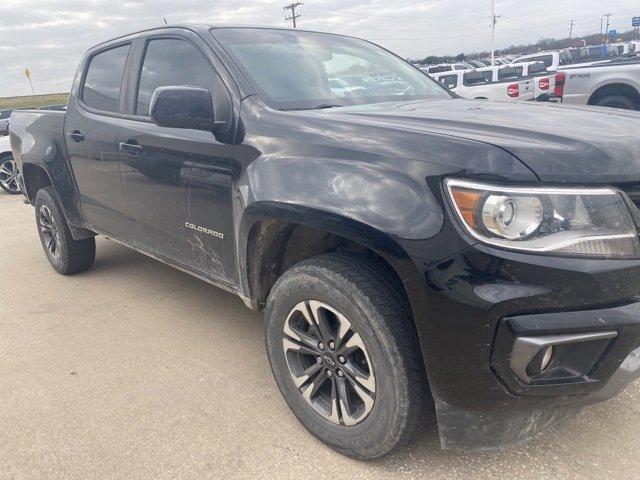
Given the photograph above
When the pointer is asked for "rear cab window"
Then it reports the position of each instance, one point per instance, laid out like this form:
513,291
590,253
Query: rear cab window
477,78
449,81
103,79
565,58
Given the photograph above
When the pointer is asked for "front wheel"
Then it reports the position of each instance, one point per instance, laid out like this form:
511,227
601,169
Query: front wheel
65,254
345,354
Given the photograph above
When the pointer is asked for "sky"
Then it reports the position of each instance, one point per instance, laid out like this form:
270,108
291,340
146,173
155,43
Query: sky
50,36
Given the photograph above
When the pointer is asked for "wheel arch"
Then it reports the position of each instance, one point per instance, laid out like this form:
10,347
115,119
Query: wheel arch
620,87
34,178
274,236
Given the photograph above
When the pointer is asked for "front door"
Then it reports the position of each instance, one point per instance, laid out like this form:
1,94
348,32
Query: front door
177,182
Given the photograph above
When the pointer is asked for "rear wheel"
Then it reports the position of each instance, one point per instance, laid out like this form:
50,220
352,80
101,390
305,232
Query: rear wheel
65,254
617,101
9,175
345,354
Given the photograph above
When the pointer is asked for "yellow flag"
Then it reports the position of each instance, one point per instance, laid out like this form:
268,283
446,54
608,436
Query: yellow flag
27,73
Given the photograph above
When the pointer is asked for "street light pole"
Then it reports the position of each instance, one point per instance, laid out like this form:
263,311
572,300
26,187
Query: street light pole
493,30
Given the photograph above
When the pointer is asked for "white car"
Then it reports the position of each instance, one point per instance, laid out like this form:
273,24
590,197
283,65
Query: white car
8,169
4,121
480,84
552,60
447,67
341,88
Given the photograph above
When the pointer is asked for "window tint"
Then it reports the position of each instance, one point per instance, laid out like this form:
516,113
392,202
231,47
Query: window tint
102,83
172,62
546,59
449,81
476,78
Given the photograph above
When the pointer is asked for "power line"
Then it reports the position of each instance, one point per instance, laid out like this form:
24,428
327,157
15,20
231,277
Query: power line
294,15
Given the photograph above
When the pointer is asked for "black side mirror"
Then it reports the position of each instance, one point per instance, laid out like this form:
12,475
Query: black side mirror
183,107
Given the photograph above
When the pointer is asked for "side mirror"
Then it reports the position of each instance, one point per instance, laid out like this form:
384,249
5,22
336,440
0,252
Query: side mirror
182,107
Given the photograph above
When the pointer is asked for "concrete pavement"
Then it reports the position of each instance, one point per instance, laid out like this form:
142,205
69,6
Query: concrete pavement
136,370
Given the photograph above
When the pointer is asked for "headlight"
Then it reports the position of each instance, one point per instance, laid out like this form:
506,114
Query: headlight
578,221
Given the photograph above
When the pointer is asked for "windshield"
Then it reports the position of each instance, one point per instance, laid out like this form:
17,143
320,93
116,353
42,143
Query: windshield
302,70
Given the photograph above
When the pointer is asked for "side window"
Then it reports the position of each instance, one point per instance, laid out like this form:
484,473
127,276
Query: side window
172,62
449,81
101,89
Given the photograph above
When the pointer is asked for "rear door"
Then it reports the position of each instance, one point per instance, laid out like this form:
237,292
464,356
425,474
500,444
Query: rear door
177,182
91,128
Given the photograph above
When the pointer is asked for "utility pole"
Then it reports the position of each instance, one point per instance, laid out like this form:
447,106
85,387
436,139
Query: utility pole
571,24
606,30
494,20
294,15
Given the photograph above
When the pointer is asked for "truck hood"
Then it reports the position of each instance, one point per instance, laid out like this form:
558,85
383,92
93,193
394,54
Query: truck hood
558,143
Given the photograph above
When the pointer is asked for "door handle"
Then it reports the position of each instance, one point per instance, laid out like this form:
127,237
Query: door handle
76,136
130,148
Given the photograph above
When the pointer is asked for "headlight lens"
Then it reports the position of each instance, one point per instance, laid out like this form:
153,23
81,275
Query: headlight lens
578,221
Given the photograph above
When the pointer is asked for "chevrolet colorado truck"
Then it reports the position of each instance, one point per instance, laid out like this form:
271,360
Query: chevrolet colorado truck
412,251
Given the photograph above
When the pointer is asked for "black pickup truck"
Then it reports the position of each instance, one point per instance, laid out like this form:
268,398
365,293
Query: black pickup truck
409,248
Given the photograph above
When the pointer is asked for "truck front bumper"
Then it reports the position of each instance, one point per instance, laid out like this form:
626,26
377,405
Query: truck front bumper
515,343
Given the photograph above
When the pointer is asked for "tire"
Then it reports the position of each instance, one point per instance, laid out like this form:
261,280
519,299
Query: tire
65,254
361,290
617,101
9,175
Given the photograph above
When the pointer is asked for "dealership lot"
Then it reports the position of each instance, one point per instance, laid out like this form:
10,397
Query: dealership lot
134,369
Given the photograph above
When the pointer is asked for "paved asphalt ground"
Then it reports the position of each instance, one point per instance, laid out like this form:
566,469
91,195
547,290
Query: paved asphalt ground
136,370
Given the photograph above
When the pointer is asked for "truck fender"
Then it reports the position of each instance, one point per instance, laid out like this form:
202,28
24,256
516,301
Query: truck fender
45,153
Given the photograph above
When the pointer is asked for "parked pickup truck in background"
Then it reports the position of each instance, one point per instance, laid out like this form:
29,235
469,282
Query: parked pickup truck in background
493,83
410,249
543,81
607,84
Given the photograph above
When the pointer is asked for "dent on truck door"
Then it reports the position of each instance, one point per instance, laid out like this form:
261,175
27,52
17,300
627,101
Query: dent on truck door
177,182
91,135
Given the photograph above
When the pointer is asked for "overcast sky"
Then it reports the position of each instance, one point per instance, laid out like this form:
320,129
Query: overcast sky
49,36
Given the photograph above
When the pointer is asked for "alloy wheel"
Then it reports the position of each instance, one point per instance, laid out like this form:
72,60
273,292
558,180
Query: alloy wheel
329,363
9,175
49,229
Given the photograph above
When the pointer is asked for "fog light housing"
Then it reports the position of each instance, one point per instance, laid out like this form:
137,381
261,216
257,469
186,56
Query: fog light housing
532,357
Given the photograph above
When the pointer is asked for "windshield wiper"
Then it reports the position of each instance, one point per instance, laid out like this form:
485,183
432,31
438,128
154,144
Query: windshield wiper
325,105
317,107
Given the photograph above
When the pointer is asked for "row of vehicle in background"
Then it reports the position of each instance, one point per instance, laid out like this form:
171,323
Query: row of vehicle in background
493,83
464,65
553,59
